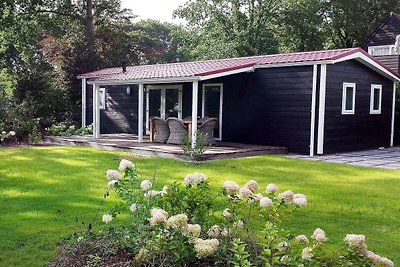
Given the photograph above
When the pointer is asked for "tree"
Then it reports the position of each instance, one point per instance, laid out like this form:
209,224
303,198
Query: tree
227,28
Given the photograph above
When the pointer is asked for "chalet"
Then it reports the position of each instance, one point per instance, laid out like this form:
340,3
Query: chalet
381,42
315,102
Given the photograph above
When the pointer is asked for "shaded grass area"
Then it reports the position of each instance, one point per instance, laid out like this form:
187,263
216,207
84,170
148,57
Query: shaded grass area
36,182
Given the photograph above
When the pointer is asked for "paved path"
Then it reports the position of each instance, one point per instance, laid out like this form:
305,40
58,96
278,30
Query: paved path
388,158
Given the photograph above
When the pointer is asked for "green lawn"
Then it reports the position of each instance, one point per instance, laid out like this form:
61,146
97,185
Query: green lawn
36,182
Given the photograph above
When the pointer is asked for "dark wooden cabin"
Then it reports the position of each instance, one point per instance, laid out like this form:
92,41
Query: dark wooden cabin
312,102
381,42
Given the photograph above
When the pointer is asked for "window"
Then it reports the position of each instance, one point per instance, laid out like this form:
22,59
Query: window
212,102
382,50
349,98
376,99
102,98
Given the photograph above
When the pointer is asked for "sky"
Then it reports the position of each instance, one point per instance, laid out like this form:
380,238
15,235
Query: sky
154,9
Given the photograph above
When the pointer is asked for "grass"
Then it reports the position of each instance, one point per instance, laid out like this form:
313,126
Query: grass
36,182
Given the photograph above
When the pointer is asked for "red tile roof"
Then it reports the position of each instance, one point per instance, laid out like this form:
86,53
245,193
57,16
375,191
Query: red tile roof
203,68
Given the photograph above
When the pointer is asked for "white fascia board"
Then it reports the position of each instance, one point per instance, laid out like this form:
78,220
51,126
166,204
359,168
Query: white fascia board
226,73
370,63
145,81
292,64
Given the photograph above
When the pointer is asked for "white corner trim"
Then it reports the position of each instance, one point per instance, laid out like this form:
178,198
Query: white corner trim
393,114
372,99
83,102
369,62
321,110
344,99
313,106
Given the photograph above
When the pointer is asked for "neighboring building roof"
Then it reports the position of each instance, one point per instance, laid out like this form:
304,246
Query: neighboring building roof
385,33
203,70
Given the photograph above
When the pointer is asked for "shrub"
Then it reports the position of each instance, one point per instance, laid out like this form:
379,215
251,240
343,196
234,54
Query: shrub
188,224
6,135
68,128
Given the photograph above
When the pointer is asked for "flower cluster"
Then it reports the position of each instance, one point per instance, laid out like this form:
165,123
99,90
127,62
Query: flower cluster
205,247
4,135
158,216
319,235
357,243
194,179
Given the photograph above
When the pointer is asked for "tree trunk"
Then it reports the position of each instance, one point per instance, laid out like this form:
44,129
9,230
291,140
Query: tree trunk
91,49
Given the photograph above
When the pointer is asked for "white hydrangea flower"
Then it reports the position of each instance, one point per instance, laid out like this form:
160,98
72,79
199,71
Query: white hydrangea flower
151,193
158,216
192,231
357,242
225,232
113,175
178,221
319,235
300,200
231,187
124,164
283,246
107,218
199,177
245,193
265,202
146,185
189,179
227,213
252,185
239,224
164,190
12,133
271,188
205,248
111,184
302,239
385,262
259,196
286,196
214,231
134,207
3,132
306,253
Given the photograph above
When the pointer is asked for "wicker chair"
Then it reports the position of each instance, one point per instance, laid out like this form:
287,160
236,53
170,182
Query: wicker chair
208,127
160,130
177,129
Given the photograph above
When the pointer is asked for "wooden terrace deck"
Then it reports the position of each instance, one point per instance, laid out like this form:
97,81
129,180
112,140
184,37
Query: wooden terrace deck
128,142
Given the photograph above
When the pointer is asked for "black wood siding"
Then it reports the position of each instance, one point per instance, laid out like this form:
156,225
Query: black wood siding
362,130
120,115
269,107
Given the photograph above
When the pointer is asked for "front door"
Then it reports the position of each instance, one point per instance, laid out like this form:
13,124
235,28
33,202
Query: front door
164,102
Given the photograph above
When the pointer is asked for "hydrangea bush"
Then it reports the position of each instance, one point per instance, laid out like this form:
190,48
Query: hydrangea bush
5,135
187,224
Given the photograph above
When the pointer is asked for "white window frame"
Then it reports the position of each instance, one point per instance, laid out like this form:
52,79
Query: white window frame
102,98
221,101
344,98
371,109
163,89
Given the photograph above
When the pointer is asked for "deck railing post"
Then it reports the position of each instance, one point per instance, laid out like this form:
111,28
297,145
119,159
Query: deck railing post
195,95
140,113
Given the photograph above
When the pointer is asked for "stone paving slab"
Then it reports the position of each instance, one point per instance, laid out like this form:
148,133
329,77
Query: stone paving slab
388,158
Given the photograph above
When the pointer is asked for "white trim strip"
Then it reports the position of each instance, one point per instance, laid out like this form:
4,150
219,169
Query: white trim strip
140,113
393,114
313,106
226,73
96,111
83,102
372,99
321,110
195,96
346,111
